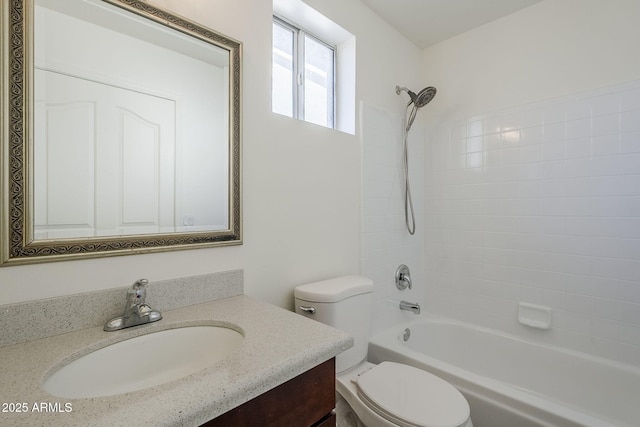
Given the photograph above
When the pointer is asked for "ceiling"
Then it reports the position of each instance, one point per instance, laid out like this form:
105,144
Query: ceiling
426,22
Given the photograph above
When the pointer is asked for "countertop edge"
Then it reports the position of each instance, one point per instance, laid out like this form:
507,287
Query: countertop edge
278,346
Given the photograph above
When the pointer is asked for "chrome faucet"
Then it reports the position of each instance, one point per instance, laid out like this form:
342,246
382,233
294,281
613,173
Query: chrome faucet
410,306
136,312
403,277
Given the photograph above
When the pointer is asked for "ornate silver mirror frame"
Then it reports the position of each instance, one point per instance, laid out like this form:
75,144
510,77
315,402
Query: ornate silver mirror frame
17,243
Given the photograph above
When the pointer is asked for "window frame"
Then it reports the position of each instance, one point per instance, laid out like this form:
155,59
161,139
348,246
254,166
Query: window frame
298,72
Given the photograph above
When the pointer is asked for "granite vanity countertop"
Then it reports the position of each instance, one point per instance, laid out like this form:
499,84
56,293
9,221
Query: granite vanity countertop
278,345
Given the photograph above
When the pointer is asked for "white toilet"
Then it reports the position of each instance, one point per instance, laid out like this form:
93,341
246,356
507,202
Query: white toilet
385,395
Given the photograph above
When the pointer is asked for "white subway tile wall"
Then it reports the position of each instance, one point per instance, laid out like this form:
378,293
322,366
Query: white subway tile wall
385,241
540,204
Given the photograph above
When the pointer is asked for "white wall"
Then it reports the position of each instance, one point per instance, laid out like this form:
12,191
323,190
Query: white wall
533,176
552,48
301,182
384,59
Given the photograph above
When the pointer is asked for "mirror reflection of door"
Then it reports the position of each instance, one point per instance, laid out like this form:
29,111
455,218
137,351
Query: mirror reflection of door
105,159
131,126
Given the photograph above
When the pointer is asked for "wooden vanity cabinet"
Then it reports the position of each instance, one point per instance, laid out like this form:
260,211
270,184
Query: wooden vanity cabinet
304,401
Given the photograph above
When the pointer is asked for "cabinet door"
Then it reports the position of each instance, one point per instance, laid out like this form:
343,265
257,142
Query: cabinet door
306,400
329,422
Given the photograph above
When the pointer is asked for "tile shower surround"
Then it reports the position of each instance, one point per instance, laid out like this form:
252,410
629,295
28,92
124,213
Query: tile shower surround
540,203
385,242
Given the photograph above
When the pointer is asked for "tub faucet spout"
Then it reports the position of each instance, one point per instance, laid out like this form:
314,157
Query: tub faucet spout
410,306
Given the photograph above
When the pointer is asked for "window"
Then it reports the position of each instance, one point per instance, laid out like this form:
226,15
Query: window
303,75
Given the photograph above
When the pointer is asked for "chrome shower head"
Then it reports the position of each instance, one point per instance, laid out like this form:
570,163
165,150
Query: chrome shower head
420,99
424,96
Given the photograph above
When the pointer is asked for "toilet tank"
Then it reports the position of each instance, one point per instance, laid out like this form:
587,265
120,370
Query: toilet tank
343,303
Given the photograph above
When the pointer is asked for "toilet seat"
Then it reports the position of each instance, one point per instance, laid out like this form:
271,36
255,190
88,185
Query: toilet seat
411,397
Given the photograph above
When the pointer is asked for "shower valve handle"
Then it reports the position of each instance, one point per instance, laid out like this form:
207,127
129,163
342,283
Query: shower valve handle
403,277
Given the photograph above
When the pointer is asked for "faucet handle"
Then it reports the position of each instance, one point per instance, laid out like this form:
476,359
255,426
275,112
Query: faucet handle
138,291
403,277
140,283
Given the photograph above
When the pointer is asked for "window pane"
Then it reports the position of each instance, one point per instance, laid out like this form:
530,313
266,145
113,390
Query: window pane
318,82
282,72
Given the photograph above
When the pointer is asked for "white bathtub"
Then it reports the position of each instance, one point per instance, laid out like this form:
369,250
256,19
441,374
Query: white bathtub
511,382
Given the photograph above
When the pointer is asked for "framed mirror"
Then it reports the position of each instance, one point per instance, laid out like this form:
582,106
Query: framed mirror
121,131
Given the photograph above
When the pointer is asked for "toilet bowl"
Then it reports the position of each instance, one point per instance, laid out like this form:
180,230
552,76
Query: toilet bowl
392,394
385,395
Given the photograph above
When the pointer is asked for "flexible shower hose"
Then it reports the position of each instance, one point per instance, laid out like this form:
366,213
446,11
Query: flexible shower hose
409,216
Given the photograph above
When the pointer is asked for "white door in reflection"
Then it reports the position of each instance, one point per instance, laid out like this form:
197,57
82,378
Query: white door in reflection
104,161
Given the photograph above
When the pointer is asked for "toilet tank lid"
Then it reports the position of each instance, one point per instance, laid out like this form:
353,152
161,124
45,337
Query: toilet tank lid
333,290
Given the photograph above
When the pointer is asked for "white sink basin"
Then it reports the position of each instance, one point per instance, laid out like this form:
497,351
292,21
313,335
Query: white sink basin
144,361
